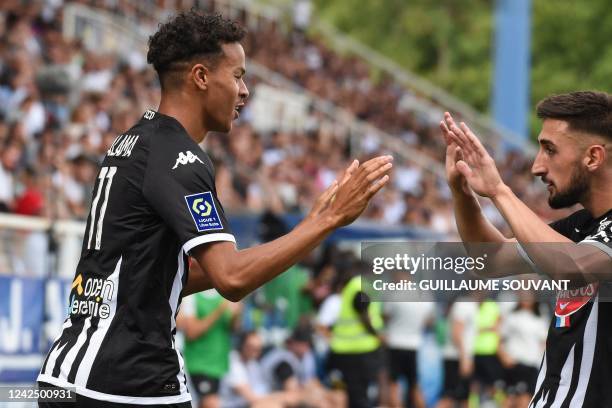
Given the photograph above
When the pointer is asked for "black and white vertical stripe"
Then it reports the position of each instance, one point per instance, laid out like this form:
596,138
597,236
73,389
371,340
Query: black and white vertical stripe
570,391
74,358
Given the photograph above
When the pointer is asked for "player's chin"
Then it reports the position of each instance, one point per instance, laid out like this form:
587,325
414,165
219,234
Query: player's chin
224,127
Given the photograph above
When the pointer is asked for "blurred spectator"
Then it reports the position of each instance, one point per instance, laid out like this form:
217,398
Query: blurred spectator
356,343
285,296
245,384
523,341
207,321
31,201
293,368
488,373
9,159
457,341
405,323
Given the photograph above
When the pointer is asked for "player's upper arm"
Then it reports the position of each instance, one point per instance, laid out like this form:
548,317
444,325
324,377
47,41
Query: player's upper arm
213,259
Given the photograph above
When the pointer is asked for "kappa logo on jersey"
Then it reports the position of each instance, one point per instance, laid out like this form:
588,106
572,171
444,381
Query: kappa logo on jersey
186,158
91,297
203,211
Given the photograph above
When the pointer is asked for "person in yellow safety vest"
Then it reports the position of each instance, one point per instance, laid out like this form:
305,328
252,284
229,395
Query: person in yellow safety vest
356,343
488,371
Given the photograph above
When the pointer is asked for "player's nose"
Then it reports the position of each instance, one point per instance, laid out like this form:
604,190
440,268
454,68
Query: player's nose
538,168
243,91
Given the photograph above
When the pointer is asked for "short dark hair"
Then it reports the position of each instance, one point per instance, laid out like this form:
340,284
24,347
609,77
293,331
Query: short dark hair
190,35
586,111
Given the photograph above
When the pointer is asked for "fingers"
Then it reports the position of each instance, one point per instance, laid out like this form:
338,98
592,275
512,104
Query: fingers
473,140
375,163
367,177
326,197
464,137
378,172
349,171
446,133
330,192
464,169
455,132
375,187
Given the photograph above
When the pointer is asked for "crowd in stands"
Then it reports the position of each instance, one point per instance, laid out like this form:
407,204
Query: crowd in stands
61,107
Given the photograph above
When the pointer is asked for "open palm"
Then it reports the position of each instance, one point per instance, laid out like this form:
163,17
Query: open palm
473,162
456,180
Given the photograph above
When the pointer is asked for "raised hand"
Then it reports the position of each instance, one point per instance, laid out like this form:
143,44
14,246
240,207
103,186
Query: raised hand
357,187
456,180
475,163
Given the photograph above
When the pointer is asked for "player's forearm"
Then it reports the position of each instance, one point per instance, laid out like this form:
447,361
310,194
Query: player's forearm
525,224
472,225
245,270
552,253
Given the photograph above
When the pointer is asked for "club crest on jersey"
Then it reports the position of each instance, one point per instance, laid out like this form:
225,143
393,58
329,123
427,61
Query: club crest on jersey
203,211
572,300
186,158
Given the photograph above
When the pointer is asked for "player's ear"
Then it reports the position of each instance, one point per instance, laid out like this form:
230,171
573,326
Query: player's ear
595,157
200,73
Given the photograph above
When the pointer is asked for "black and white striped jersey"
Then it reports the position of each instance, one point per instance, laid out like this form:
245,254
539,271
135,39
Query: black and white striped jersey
153,201
576,370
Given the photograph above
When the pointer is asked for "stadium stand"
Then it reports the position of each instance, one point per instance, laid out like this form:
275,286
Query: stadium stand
62,103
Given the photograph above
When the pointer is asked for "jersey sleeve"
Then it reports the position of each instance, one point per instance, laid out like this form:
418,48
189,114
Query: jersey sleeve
179,185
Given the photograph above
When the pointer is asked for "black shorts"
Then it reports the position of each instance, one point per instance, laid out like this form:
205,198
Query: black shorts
84,402
488,370
403,362
521,379
455,387
204,385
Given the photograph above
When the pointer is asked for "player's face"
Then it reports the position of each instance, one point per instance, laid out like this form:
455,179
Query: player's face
559,165
227,91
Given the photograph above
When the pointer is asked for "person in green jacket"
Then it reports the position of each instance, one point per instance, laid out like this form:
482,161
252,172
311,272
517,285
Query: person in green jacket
207,320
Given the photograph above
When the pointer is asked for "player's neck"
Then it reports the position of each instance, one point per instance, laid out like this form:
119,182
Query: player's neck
599,200
174,106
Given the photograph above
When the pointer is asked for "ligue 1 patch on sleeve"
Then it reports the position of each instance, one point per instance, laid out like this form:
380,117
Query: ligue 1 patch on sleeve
203,211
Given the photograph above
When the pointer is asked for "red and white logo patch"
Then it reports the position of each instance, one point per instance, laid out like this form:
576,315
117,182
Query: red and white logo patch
570,301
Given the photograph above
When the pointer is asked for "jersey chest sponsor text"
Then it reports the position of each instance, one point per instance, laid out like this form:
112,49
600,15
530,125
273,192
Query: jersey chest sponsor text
91,297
